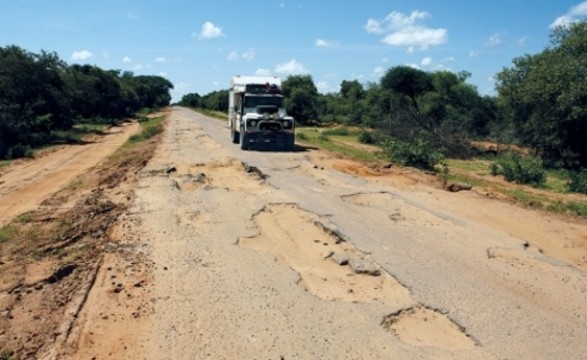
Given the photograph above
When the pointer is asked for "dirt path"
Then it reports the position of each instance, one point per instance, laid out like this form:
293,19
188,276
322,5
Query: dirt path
25,185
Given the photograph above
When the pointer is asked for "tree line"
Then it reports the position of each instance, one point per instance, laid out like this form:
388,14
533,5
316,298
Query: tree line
541,103
41,97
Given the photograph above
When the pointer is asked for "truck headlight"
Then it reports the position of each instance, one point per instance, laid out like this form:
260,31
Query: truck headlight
286,124
253,123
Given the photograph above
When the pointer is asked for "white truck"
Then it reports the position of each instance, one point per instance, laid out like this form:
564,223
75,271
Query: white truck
256,113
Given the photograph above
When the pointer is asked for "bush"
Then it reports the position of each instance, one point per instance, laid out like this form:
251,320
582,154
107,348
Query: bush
578,182
521,171
19,151
418,153
366,137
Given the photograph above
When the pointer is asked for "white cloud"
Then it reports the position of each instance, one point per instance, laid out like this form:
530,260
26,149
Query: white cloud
325,43
138,67
105,54
81,55
216,83
249,55
210,31
161,59
576,13
322,87
163,74
378,72
521,42
233,56
133,16
427,62
263,72
473,54
412,65
402,30
494,40
126,60
292,67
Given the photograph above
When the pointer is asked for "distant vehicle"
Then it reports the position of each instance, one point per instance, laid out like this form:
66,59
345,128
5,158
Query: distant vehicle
256,114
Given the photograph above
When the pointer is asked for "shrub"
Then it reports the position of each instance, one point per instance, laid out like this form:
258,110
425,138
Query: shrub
578,182
521,171
323,137
418,153
301,136
19,151
366,137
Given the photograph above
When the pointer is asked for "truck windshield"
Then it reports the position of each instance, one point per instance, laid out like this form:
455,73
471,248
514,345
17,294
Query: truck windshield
254,101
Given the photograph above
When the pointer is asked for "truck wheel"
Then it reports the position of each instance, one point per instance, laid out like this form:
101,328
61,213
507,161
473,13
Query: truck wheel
244,141
234,135
290,144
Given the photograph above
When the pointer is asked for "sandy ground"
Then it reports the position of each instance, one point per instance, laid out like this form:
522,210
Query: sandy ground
26,184
224,254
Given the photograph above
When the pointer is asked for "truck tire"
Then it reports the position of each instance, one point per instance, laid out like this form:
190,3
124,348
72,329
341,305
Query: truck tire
290,143
244,141
234,135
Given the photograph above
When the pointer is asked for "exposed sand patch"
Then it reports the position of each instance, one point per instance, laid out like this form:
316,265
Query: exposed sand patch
420,326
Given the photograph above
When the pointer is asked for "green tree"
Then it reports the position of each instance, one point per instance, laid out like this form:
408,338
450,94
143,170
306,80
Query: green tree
216,100
545,96
33,98
153,91
192,100
301,98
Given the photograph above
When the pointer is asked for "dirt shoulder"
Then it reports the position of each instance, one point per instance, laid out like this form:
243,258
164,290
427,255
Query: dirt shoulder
559,236
67,202
24,185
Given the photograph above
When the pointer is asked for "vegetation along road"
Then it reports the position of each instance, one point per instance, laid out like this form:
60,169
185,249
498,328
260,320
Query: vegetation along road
185,247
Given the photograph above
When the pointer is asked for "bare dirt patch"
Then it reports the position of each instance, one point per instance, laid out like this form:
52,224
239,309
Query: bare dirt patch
335,270
421,326
24,185
53,254
562,237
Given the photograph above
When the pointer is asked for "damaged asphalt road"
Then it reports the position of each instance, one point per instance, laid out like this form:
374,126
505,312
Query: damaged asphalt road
270,255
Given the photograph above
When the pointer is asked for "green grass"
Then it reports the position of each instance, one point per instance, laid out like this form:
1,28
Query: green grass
476,166
7,233
4,163
332,140
6,355
556,180
24,218
150,127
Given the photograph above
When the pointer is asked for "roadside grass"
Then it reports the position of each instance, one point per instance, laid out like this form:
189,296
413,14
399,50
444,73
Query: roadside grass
338,141
477,172
215,114
551,197
7,233
149,128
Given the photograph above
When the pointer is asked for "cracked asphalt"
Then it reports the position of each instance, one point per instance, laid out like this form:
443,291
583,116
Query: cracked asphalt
451,288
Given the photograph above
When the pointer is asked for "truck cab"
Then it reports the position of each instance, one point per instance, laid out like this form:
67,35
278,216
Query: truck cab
257,116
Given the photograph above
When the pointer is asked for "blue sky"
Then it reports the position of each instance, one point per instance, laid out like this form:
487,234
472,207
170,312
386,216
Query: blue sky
199,45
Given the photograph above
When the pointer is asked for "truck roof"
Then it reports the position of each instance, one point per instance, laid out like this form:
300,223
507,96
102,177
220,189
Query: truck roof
238,81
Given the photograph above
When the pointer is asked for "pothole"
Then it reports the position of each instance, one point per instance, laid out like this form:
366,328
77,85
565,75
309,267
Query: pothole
421,326
329,267
227,174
